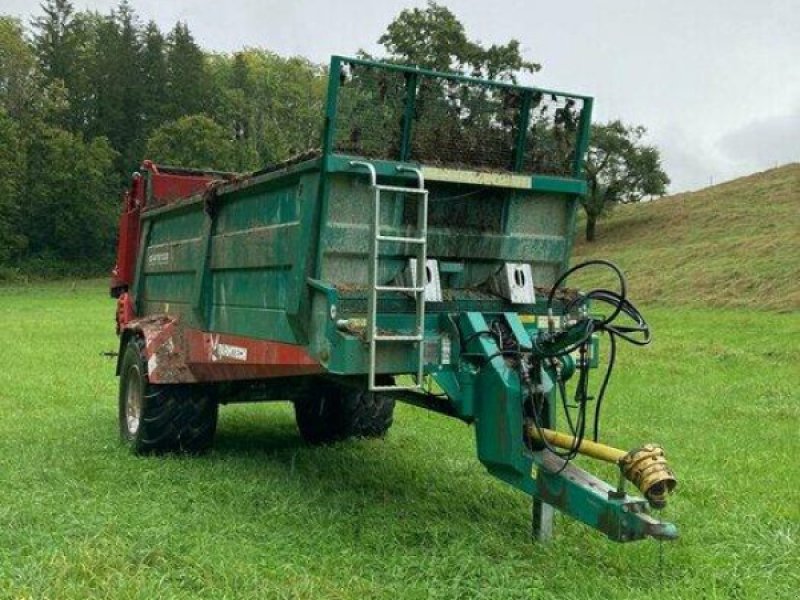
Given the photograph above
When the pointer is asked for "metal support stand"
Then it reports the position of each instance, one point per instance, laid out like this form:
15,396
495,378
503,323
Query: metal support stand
542,521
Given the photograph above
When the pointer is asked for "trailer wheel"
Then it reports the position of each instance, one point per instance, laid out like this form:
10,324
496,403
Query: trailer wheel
337,413
162,418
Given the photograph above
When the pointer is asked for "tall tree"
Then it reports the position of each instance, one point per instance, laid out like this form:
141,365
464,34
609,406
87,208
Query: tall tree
118,85
452,120
53,39
80,94
271,105
241,113
187,87
61,40
19,80
129,138
433,37
154,77
620,169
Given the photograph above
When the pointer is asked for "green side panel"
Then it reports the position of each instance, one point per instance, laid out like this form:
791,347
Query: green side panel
167,292
172,227
242,272
234,308
253,253
169,263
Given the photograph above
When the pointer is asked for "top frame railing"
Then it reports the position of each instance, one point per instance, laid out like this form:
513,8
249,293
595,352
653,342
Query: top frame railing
404,113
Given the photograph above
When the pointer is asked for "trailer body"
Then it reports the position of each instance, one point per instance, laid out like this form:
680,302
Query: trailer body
438,208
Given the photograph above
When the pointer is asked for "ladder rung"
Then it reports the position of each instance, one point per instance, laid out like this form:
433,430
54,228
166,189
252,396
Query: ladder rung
396,388
397,188
394,288
398,338
402,240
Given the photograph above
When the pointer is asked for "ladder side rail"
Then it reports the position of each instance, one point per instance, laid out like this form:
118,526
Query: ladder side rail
421,270
372,306
372,316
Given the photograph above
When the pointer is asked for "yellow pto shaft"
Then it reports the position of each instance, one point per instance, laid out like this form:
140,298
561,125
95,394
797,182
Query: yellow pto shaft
587,447
645,467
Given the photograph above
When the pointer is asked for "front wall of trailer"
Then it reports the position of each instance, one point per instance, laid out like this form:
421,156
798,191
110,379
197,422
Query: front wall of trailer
476,228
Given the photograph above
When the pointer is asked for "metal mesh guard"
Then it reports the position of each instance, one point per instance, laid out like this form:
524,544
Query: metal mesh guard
446,121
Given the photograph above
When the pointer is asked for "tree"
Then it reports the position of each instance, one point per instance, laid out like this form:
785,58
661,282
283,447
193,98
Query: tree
271,105
620,169
19,88
77,105
61,41
53,39
154,77
454,121
70,196
187,87
12,166
80,92
192,141
434,38
117,82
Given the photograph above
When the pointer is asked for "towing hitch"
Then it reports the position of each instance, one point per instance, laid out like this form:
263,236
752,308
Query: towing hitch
507,389
588,499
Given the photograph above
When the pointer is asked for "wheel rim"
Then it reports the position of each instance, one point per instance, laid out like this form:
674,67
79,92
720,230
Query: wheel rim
133,402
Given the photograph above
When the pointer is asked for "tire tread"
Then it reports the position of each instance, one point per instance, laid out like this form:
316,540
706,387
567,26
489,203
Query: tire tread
175,417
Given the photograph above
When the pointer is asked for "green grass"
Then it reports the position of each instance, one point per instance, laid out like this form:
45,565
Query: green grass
736,244
413,516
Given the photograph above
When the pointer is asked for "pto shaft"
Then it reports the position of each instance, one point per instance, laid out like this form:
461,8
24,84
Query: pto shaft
587,447
645,467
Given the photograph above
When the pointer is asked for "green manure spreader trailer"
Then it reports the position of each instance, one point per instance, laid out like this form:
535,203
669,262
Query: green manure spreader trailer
420,254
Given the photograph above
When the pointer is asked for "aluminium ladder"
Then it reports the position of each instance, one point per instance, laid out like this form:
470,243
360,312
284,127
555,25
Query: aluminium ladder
416,290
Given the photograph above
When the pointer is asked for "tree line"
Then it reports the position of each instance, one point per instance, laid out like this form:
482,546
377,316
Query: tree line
85,96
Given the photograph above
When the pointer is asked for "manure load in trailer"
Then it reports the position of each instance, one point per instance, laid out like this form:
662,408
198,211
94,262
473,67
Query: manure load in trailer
419,255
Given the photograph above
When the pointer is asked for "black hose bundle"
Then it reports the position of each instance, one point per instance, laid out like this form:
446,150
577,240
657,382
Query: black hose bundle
552,345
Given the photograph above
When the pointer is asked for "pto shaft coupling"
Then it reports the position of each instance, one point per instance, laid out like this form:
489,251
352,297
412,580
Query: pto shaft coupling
645,467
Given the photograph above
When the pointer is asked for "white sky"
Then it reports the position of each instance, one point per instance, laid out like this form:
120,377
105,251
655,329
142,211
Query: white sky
717,82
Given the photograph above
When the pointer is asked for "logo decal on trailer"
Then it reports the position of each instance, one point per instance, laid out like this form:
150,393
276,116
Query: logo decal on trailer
158,258
223,351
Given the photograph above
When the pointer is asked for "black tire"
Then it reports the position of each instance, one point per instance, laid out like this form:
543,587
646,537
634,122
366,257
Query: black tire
334,413
162,418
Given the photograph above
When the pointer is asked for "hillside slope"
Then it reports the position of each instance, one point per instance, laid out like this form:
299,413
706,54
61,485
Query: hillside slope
736,244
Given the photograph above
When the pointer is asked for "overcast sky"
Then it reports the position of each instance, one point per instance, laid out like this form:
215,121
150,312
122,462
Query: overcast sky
716,82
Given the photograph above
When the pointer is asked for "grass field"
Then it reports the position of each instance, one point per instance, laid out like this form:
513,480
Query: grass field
736,244
413,516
